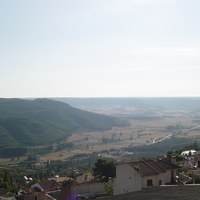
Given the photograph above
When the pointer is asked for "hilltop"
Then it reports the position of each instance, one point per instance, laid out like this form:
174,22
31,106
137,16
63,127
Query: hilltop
42,121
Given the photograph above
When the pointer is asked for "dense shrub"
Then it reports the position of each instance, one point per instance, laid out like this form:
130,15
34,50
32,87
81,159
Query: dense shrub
14,151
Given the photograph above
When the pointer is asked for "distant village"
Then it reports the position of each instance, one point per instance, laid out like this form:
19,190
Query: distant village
110,178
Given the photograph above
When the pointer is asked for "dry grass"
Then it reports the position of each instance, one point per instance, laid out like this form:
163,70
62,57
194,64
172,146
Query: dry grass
139,132
6,161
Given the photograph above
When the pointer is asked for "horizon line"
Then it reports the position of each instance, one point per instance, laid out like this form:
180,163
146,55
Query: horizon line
98,97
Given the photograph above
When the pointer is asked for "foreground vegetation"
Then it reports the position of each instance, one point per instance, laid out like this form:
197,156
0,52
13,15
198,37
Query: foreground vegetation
101,167
33,139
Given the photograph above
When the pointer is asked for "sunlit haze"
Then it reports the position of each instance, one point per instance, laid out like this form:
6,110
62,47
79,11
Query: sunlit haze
99,48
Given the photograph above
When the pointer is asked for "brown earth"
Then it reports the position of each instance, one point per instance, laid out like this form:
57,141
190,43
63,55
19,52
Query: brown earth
140,132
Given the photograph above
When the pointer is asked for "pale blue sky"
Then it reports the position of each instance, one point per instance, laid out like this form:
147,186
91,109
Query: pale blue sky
99,48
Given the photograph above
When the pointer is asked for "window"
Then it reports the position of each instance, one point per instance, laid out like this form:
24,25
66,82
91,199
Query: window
149,182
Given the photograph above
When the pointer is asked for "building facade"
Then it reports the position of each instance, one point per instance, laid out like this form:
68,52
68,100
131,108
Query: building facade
134,176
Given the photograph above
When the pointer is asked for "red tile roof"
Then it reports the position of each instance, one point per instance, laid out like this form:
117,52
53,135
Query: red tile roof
167,165
37,195
60,179
159,169
147,168
49,185
87,177
150,167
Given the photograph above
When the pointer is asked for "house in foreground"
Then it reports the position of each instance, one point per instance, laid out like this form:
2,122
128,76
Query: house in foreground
84,185
50,188
134,176
47,186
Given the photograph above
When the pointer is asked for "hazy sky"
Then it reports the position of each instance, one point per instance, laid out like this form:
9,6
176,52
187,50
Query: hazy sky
99,48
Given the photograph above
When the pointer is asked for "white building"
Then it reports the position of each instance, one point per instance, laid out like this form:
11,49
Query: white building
188,153
135,176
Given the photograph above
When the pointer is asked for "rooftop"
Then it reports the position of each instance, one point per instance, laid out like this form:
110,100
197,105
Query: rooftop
150,167
186,192
46,185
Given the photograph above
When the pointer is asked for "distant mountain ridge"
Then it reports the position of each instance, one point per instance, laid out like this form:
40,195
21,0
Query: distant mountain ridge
132,101
40,121
134,106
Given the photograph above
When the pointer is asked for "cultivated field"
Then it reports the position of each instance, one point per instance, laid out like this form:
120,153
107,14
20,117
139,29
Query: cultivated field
150,121
139,132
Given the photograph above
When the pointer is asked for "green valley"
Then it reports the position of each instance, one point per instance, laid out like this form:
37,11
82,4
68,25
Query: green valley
44,121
